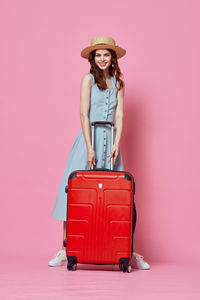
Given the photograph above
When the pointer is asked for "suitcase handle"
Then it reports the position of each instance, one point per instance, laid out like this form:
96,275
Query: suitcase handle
102,122
101,169
112,137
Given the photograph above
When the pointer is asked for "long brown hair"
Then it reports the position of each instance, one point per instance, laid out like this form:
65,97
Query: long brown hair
113,70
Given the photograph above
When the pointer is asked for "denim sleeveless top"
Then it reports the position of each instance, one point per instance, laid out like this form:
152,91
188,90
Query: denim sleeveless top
103,102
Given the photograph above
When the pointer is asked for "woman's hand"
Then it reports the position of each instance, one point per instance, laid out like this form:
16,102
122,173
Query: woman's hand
114,153
91,157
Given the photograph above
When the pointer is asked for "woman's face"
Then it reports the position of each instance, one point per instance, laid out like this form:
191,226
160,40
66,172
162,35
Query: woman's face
102,58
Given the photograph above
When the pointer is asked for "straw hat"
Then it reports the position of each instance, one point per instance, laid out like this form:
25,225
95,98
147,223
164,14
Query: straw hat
101,42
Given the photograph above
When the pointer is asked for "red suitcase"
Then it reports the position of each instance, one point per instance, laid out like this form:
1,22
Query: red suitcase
101,215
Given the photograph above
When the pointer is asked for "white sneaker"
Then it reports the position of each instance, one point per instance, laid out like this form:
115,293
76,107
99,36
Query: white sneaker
138,262
58,259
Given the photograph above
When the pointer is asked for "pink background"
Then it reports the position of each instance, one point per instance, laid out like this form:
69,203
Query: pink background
40,74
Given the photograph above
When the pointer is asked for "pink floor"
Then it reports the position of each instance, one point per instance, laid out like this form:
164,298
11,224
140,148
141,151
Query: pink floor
31,278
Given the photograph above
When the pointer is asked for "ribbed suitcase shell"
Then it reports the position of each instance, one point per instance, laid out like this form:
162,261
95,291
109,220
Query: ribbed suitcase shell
100,216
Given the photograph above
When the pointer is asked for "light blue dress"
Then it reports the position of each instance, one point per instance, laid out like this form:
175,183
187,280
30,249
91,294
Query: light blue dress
102,108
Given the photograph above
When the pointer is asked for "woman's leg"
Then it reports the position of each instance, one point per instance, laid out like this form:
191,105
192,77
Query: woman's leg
64,234
137,260
60,256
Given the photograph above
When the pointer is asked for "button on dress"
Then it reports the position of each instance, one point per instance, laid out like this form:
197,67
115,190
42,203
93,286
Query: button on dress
103,104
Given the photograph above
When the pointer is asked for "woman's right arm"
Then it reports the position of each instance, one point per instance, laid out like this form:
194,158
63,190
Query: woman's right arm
84,112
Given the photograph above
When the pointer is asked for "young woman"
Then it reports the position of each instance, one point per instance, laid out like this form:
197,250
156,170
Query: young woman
101,99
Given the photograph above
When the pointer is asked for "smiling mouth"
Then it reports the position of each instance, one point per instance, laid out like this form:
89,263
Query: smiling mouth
102,65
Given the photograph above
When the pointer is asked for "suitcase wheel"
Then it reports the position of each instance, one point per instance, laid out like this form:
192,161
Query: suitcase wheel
71,267
72,263
125,267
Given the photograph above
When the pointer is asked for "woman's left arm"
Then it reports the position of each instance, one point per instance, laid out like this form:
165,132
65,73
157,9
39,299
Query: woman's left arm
119,113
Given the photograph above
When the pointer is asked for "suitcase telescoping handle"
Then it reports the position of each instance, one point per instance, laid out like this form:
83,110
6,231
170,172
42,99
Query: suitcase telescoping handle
112,137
